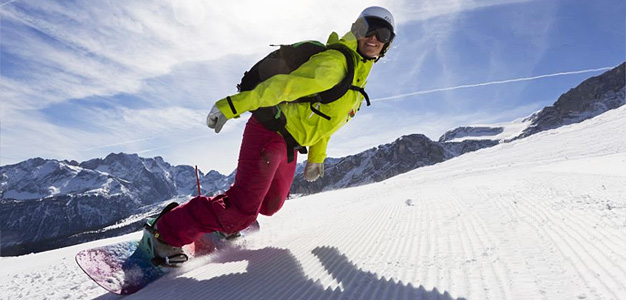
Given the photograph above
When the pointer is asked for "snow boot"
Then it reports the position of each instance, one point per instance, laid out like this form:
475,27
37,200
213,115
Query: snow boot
161,253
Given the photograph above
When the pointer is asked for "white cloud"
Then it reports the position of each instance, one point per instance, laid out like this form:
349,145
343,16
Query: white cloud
409,10
102,48
178,57
97,49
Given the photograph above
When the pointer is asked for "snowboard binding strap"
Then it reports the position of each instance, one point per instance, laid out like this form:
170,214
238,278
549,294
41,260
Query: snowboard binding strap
170,261
150,226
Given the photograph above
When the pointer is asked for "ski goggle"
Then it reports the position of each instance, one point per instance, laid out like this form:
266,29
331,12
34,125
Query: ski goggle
383,35
370,27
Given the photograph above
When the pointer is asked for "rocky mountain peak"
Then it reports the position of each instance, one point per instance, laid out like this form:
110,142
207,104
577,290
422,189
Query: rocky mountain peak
592,97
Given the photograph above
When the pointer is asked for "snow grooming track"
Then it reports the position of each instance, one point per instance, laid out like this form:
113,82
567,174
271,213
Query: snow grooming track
539,218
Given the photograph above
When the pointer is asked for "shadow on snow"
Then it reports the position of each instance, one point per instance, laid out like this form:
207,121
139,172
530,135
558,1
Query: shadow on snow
275,273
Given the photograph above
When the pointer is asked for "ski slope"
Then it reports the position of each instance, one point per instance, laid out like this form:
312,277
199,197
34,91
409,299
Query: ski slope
539,218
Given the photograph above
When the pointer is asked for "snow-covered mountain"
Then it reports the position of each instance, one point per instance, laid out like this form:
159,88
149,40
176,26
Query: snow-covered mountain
374,165
45,204
591,98
471,138
520,220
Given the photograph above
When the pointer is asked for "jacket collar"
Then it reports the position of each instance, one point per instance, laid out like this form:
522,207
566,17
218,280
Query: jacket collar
349,40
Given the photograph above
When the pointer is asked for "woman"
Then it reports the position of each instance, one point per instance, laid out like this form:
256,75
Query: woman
265,170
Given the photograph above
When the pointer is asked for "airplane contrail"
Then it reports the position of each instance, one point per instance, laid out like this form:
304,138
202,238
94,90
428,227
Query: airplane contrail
120,143
389,98
172,145
131,141
8,2
490,83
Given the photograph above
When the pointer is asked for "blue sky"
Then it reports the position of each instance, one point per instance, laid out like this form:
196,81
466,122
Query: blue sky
82,79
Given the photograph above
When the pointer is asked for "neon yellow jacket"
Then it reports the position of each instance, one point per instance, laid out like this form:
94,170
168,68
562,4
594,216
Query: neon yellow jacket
321,72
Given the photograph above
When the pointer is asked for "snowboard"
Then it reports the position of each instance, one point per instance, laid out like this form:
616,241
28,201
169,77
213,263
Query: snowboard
125,268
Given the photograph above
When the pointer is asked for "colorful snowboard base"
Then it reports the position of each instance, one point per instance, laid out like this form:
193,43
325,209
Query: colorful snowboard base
124,268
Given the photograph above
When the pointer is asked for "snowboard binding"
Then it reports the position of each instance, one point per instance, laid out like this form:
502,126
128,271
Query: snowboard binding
160,252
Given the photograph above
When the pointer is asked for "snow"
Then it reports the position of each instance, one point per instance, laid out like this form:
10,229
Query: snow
543,217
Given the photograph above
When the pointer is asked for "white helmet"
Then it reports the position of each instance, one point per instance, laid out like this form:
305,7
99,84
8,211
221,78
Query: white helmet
376,20
380,13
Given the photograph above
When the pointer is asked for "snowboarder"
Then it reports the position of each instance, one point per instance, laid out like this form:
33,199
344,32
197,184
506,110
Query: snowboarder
265,170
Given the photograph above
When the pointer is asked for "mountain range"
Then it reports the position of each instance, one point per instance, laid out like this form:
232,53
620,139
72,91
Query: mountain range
47,204
592,97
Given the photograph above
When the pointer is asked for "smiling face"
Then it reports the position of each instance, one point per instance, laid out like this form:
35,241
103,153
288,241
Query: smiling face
370,47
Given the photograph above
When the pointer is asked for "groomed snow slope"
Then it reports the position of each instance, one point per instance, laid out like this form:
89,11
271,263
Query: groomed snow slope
540,218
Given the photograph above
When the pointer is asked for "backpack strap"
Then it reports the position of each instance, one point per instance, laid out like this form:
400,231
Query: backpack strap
362,91
339,89
292,145
273,119
317,111
344,85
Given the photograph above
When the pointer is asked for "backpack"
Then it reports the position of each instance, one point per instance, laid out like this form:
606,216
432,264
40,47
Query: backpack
283,61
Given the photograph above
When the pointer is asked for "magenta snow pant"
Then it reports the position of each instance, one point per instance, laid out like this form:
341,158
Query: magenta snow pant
261,186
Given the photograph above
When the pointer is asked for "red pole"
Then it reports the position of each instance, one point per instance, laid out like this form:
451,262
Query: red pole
198,182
